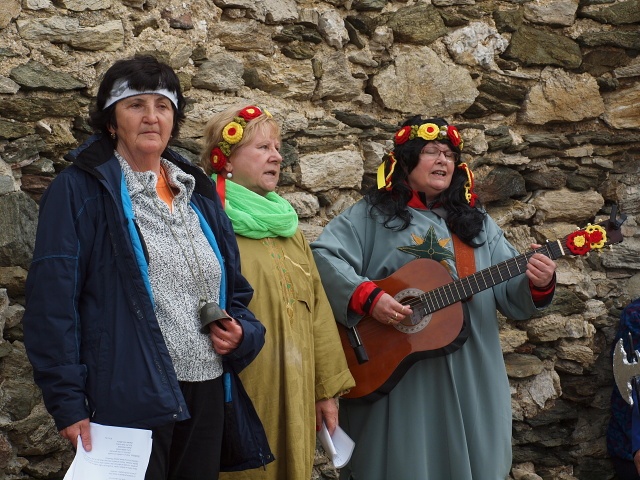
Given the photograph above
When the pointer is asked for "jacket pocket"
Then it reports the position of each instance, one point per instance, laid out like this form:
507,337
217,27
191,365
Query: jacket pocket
96,359
302,292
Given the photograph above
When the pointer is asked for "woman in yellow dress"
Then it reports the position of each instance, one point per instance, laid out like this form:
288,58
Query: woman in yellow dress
301,369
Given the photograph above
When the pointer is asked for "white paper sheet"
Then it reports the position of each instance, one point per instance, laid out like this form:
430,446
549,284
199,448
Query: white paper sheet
117,453
338,446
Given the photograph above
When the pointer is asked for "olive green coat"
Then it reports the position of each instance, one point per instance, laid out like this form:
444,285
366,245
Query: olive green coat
302,360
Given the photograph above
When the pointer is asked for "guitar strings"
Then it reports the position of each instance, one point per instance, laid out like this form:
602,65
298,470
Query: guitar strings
440,293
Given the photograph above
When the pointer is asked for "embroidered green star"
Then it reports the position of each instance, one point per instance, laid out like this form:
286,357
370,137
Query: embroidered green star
429,247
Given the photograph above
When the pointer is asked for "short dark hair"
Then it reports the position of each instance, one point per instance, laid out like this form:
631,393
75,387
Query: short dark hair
143,72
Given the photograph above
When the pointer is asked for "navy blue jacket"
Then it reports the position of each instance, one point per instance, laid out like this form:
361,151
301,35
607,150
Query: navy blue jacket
89,327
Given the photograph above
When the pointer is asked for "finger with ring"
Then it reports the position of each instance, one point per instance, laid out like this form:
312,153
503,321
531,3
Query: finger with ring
390,321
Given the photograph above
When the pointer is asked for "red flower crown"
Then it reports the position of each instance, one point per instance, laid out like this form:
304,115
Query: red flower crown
429,132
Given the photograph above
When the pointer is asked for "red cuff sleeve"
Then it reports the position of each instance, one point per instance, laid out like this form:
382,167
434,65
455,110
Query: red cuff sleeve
539,295
360,302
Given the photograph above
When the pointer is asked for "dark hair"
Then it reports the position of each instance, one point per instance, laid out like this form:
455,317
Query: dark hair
463,220
143,72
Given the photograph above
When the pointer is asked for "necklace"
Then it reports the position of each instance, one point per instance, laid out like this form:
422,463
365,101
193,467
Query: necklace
203,291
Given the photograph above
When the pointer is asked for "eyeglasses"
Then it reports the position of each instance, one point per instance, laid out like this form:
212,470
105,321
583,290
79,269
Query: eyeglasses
433,153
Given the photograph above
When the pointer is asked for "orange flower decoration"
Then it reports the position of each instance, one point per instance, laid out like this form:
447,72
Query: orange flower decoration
429,132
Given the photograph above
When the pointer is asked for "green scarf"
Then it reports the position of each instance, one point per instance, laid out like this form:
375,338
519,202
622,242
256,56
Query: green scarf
255,216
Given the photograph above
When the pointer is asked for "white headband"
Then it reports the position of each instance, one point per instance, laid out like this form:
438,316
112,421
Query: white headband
122,90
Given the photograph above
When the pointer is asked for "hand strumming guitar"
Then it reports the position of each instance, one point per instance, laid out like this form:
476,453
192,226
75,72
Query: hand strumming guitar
388,311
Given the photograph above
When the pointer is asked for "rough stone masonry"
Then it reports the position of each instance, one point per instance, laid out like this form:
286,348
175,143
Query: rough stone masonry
545,93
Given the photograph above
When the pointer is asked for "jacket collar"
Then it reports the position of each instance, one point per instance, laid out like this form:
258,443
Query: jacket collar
95,156
418,201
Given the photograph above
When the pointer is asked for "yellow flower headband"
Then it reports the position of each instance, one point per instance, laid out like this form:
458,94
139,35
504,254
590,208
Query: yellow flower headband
232,133
426,131
429,132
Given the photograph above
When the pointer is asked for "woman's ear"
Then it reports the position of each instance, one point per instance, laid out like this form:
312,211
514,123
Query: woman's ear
112,127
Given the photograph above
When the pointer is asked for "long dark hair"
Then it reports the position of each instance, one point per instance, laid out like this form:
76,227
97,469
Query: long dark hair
142,72
462,219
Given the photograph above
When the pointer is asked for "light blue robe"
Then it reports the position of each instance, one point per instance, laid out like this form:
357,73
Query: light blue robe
448,417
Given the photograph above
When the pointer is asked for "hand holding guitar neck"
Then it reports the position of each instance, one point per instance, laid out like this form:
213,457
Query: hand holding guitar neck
540,268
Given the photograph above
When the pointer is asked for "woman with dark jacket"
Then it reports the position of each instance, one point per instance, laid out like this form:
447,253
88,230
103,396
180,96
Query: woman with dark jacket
623,432
132,242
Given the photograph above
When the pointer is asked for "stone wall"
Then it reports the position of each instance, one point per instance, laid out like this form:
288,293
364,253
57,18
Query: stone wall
546,96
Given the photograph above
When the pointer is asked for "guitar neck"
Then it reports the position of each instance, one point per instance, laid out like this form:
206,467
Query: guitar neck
466,287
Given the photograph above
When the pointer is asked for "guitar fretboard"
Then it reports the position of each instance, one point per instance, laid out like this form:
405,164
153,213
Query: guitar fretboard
453,292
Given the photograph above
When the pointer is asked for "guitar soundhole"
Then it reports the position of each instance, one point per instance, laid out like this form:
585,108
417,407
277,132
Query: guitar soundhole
416,321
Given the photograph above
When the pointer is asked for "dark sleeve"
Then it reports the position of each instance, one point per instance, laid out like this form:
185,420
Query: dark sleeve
635,423
51,320
630,326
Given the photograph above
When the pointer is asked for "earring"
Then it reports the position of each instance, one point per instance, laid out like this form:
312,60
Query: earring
113,135
229,175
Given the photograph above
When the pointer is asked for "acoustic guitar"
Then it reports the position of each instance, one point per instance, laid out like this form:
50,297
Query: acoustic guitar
379,355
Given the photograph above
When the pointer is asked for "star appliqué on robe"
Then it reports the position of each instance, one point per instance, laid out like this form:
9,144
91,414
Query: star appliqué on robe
430,247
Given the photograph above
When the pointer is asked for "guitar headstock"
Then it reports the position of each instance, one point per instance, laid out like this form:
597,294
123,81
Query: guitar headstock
614,234
595,236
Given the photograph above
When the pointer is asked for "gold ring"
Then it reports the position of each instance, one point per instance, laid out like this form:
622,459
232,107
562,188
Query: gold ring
395,315
390,321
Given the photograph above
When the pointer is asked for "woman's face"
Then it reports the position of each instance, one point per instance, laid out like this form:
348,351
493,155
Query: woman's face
144,125
256,164
434,170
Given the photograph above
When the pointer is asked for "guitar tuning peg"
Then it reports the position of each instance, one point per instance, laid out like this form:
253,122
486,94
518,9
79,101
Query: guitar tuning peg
616,224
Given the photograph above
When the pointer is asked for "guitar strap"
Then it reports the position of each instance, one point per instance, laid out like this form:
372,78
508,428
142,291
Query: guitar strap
465,257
